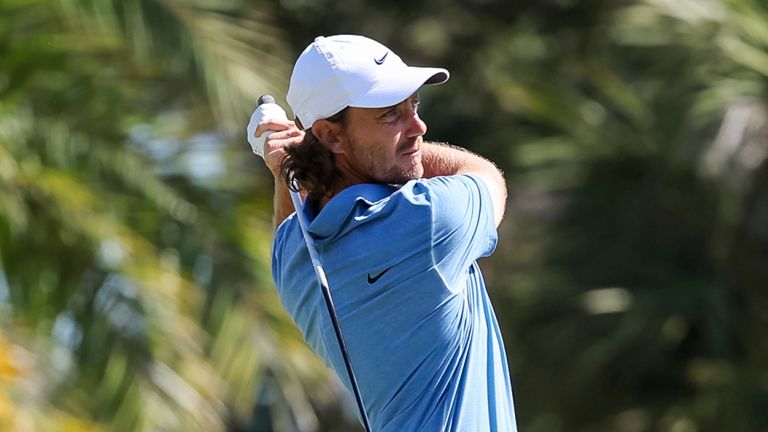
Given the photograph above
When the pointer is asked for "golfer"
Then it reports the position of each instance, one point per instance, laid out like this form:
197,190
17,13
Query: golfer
399,224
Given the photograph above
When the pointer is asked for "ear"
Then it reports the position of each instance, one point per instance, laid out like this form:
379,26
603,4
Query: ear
330,134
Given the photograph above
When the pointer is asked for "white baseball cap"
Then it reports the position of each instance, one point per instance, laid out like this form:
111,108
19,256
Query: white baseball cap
342,71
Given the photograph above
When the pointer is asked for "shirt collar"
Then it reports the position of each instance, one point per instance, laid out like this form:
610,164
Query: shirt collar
350,202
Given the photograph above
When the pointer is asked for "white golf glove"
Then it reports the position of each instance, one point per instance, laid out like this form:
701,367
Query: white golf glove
264,112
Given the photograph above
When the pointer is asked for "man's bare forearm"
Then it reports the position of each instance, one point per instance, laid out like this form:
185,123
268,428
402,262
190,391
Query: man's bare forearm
282,202
441,159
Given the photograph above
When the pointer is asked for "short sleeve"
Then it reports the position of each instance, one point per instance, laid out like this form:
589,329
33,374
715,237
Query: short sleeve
287,250
278,244
463,228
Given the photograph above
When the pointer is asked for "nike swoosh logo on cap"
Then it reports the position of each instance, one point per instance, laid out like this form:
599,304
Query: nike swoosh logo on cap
381,60
373,279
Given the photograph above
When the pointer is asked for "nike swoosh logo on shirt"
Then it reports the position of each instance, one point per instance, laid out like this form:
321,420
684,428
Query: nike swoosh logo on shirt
381,60
373,279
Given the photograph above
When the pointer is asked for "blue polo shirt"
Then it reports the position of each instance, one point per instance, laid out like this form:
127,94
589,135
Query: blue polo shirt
421,332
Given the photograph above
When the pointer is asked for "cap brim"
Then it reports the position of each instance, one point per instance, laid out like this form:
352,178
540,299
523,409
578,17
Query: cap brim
391,90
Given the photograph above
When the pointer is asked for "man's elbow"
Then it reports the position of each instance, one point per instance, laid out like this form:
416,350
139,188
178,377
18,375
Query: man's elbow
497,187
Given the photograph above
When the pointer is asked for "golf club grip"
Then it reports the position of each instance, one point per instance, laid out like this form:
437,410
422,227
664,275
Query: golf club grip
266,99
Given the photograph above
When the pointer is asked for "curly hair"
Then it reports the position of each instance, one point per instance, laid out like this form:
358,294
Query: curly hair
310,166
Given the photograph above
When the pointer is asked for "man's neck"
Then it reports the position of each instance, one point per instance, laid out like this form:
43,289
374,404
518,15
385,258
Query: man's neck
342,185
349,177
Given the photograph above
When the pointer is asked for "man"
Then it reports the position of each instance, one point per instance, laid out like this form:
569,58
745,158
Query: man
399,224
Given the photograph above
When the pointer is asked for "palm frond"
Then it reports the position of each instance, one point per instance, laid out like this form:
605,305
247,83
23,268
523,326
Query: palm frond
237,52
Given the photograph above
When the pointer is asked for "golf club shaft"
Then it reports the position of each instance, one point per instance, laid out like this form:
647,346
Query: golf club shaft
320,273
323,281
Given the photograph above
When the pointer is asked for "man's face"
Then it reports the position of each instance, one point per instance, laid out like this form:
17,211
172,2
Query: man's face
382,145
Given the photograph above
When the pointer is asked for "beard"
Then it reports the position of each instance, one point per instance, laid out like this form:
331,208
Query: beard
399,172
383,165
403,176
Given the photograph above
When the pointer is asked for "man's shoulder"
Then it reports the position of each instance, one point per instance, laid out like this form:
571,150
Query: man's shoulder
456,188
446,182
285,226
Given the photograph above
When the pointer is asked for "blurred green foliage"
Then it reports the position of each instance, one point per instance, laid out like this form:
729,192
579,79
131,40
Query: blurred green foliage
135,289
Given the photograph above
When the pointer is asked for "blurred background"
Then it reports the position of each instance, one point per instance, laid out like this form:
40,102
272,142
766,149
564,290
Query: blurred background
631,276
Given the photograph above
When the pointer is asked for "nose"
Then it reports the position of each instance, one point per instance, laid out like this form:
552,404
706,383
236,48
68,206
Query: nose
416,127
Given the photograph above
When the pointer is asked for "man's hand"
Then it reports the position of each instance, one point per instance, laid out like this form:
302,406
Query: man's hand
279,135
283,133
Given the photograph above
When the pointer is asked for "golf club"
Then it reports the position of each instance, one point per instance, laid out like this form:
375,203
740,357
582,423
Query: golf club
268,102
